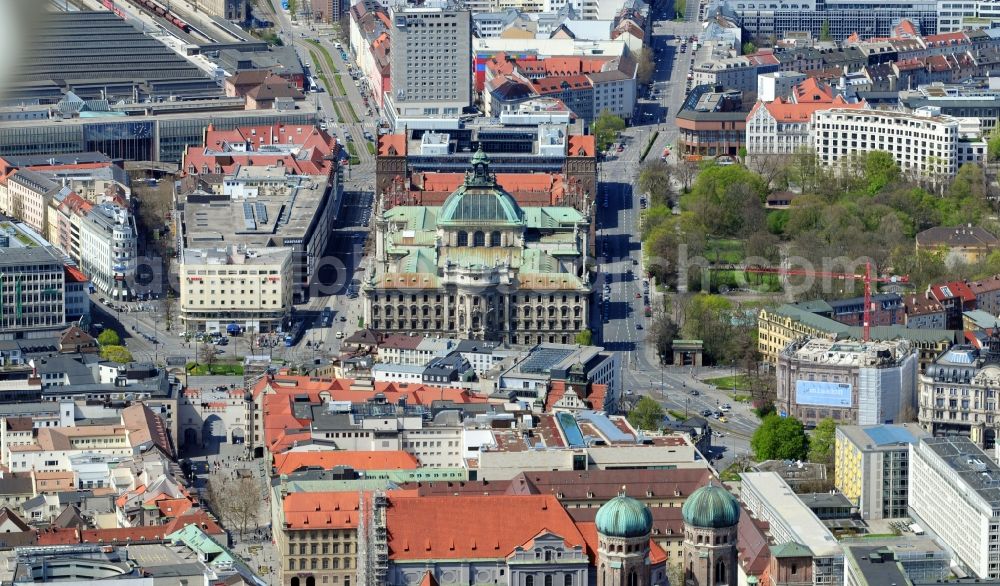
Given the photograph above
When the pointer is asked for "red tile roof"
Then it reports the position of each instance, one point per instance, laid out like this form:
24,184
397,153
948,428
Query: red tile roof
316,154
467,526
582,145
387,143
813,90
785,111
387,460
321,510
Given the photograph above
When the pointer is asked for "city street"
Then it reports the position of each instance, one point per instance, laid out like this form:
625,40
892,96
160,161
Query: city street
619,251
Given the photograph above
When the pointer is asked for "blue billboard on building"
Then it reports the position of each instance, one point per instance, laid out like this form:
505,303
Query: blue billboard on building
822,394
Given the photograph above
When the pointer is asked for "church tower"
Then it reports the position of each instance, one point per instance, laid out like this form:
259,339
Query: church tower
710,518
623,528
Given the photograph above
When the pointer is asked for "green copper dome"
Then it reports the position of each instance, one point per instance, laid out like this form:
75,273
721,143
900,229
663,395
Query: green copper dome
479,201
624,516
711,507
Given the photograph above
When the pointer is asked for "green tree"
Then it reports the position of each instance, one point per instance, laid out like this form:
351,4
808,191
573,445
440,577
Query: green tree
646,415
822,442
749,47
119,354
584,338
969,183
680,7
656,178
993,144
109,338
824,31
606,128
293,8
646,66
663,332
880,169
780,438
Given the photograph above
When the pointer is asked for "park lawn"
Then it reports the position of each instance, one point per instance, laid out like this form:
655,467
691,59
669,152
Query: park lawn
351,149
726,382
217,369
340,84
371,147
678,415
724,251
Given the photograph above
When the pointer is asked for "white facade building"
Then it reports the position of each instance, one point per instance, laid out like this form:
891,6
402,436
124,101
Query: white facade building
108,249
769,498
952,479
921,142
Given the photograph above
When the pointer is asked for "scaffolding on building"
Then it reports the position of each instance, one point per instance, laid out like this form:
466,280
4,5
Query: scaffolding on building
373,545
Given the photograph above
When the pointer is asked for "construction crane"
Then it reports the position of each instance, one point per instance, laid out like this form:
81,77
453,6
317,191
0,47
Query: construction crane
866,278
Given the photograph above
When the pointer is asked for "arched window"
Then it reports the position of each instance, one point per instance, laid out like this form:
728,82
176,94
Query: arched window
479,238
310,581
529,581
633,578
720,571
495,238
548,558
463,238
295,581
568,580
548,580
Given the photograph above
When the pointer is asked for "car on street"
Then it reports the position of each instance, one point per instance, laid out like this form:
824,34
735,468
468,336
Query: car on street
340,335
726,407
722,419
695,393
706,413
638,326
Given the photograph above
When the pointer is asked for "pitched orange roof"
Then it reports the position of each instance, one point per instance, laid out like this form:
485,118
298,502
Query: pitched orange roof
784,111
388,460
392,145
321,510
582,145
813,90
473,526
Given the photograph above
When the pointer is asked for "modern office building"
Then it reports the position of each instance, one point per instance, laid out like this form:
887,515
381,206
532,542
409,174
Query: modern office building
712,123
865,383
954,493
837,18
430,61
923,143
161,137
872,467
480,266
32,300
769,498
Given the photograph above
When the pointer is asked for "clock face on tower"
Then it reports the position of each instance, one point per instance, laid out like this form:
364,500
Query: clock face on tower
139,130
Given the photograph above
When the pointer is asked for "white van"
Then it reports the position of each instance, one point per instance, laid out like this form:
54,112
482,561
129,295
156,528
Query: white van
337,45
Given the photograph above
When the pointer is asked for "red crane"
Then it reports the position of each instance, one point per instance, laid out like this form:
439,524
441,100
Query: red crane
866,278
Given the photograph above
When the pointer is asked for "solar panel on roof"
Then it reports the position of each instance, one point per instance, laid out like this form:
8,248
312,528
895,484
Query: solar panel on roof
261,213
248,216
